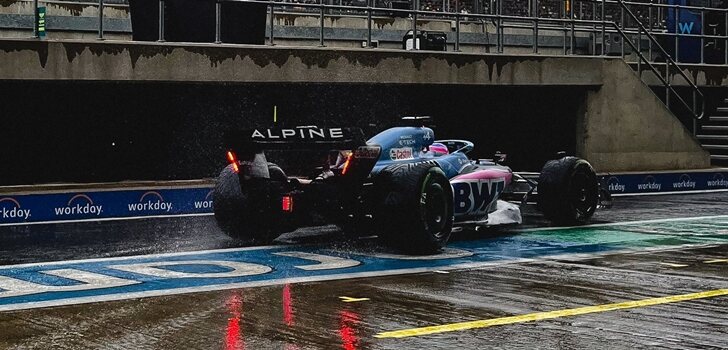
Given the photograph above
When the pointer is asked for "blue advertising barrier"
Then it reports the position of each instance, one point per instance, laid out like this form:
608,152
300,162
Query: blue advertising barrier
103,204
95,204
642,183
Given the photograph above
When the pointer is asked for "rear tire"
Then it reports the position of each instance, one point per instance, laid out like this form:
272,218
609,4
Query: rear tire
238,214
568,191
416,214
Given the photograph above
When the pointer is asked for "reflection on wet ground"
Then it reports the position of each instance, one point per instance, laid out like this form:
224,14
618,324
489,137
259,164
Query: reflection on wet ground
584,267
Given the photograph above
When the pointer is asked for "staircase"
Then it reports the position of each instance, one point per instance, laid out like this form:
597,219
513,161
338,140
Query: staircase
711,129
713,134
694,101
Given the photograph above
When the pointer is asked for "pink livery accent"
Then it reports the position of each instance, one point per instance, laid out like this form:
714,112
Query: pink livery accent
485,174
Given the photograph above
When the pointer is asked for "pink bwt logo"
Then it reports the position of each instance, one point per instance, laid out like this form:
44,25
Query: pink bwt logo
151,201
11,209
75,207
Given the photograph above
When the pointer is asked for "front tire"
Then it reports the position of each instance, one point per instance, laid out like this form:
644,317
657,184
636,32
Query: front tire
568,191
416,215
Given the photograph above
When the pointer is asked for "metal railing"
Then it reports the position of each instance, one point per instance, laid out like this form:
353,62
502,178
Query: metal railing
672,37
652,15
567,24
666,76
534,23
697,106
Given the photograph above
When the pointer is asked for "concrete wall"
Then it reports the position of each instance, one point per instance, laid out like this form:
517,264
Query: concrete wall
69,21
702,75
625,127
623,124
133,61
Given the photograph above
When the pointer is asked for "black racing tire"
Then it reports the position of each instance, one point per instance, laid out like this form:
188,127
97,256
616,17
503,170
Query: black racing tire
568,191
236,213
416,212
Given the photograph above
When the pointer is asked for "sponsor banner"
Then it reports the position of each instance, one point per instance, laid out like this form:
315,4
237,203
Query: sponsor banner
305,133
87,205
404,153
665,182
96,204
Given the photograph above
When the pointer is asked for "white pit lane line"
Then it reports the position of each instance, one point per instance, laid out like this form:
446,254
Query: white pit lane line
608,224
450,253
222,287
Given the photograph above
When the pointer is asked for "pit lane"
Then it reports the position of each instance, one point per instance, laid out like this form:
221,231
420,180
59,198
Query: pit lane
639,250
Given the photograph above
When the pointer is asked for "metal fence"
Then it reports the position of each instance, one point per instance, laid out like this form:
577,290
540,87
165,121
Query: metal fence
706,41
631,37
640,43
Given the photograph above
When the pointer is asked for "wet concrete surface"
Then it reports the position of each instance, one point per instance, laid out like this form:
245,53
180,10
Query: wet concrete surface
608,264
37,243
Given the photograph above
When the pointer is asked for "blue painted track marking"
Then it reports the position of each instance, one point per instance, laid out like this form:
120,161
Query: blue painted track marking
75,282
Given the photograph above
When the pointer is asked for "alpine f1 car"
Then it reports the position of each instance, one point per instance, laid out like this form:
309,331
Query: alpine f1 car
403,185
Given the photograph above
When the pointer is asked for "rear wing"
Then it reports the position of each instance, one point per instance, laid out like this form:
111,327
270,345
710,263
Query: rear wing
295,138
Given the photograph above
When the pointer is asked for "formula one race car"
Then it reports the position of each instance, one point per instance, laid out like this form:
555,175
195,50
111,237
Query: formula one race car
402,185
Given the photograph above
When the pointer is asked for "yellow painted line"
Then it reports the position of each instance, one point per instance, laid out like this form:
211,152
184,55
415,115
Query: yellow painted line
714,261
352,300
461,326
673,264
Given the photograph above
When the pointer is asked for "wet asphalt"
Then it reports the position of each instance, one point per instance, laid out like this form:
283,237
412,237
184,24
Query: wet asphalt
656,261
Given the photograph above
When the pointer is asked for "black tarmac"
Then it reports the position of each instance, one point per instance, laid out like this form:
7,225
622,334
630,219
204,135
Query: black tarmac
317,315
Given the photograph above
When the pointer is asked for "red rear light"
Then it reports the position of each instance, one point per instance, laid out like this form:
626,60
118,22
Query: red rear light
233,159
347,163
287,204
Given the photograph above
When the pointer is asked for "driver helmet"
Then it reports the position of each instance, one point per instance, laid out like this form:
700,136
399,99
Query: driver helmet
439,149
